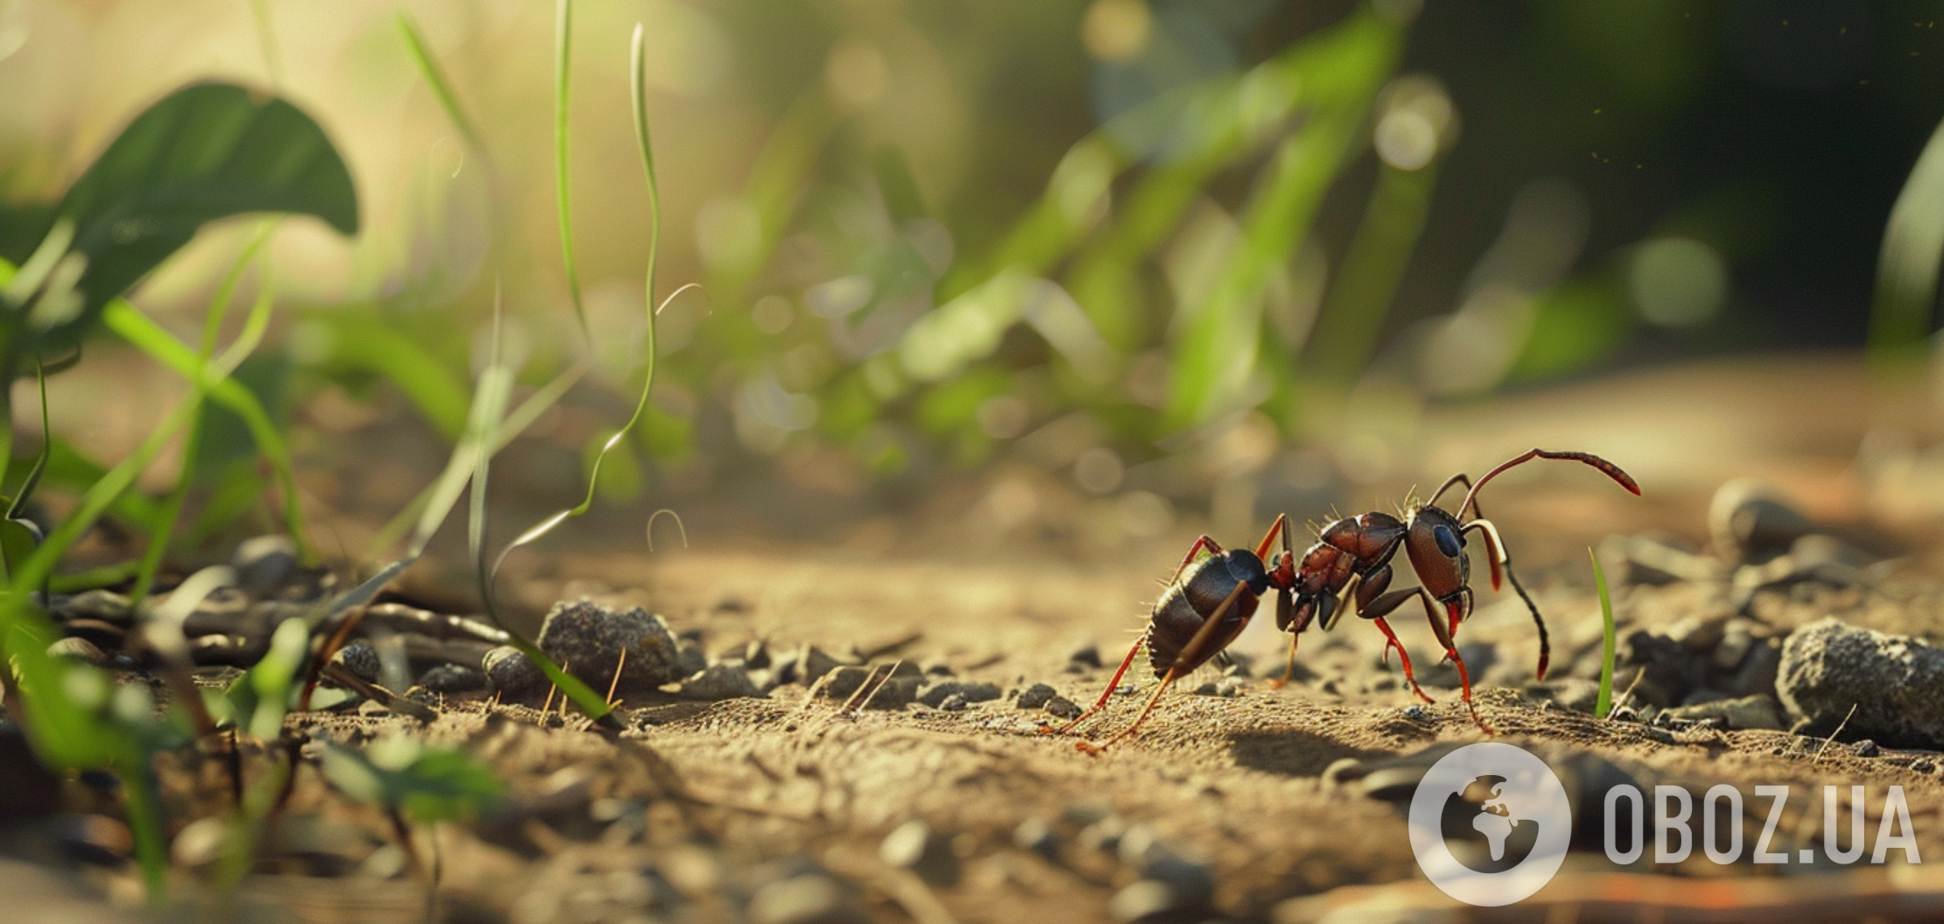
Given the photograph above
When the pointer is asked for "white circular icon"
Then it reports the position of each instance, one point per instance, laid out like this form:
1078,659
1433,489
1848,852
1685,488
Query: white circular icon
1505,813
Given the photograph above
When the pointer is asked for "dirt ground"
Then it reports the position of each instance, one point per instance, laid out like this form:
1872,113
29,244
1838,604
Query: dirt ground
1267,804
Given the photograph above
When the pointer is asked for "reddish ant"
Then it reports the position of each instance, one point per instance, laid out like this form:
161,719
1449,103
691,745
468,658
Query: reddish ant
1208,602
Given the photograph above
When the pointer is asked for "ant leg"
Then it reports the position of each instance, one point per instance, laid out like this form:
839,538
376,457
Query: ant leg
1375,610
1190,653
1105,695
1496,546
1202,544
1451,651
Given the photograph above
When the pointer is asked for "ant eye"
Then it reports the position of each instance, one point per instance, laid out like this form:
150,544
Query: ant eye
1447,541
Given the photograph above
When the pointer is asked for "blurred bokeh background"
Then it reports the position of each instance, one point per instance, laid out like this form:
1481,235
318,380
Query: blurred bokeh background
1111,262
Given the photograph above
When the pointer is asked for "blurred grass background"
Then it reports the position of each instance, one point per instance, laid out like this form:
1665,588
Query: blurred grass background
1151,249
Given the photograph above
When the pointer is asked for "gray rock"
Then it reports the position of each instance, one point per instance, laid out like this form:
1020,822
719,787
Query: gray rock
814,663
721,680
105,605
1087,655
78,649
1894,683
587,639
691,659
1036,696
1036,835
1671,670
452,678
1750,521
953,703
1758,669
893,693
914,846
265,563
1747,712
936,694
810,898
361,660
512,675
1061,707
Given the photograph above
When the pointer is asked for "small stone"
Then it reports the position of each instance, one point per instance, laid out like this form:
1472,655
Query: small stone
1149,899
1923,765
1344,770
511,674
452,678
1750,521
721,680
953,703
1207,689
1416,712
78,649
915,847
690,659
1893,683
756,654
936,694
587,639
1085,656
811,898
361,660
105,605
1868,748
1037,836
265,563
200,842
1061,707
892,693
814,663
1036,696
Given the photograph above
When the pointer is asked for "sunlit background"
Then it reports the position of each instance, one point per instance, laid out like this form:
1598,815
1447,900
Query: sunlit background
1143,250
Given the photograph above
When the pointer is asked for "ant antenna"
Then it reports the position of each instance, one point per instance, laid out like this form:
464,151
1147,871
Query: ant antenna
1607,468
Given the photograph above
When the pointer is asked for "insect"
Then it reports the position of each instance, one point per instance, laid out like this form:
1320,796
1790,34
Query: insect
1209,600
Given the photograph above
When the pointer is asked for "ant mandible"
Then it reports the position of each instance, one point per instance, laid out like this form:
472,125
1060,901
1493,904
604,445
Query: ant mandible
1208,602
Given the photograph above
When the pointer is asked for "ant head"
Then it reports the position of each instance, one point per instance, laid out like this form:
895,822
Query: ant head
1282,570
1435,541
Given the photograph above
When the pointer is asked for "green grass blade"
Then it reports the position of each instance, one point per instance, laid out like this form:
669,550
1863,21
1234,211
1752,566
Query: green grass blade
1604,705
563,47
18,507
519,421
435,78
1913,244
149,337
178,497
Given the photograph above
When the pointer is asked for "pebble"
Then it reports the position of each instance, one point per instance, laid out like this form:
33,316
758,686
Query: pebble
721,680
810,898
1035,835
1061,707
1085,656
452,678
1894,683
1923,765
587,639
265,563
914,846
511,674
1868,748
1750,520
895,693
1036,696
953,703
361,660
691,659
78,649
105,605
938,693
200,842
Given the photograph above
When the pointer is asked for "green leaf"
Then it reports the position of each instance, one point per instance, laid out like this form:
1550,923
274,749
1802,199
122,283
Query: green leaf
205,152
1604,704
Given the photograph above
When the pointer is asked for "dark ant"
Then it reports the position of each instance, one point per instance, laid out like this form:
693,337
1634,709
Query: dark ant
1208,602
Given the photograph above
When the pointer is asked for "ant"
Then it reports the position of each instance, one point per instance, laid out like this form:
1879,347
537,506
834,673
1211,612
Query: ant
1208,602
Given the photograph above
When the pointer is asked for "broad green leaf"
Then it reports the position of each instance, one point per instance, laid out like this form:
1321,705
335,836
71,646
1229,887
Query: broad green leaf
205,152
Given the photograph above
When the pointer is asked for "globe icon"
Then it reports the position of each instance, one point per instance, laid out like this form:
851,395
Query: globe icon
1485,830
